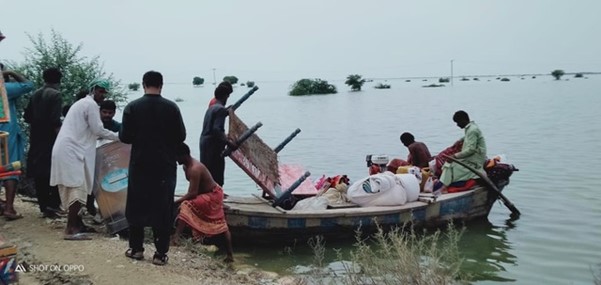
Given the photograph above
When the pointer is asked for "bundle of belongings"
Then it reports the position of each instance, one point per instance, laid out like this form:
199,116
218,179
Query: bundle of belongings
332,191
385,189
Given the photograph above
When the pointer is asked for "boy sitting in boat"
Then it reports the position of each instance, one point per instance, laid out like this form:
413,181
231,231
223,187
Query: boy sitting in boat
202,207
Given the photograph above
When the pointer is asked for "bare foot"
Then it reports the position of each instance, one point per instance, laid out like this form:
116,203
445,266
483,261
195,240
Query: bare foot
175,241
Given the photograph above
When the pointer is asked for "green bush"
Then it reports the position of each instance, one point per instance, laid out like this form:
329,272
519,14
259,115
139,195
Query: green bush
557,73
78,70
231,79
355,82
250,84
312,86
134,86
443,80
578,75
382,86
196,81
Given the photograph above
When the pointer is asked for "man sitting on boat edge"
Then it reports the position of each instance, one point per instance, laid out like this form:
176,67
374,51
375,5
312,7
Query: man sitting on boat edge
202,206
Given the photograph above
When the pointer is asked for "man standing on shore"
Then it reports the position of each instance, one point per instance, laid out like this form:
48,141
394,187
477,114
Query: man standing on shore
15,88
74,156
43,114
154,127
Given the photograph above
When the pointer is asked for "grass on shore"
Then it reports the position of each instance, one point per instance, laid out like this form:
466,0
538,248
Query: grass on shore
396,257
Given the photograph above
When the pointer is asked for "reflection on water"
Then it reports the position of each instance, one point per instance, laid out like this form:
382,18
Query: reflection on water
487,250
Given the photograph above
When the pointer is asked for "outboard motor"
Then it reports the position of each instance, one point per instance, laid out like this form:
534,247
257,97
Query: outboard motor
376,163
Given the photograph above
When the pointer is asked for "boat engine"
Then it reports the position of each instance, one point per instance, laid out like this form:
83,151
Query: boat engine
376,163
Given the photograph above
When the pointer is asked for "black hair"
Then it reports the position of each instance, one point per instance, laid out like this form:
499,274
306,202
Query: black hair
461,116
108,105
182,150
223,90
152,79
407,138
52,75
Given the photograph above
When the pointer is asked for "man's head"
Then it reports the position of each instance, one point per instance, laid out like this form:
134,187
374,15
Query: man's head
152,81
407,139
223,91
107,110
99,89
52,75
461,118
182,154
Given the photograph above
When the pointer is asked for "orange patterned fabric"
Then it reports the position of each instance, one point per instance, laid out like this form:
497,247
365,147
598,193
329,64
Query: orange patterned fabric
204,214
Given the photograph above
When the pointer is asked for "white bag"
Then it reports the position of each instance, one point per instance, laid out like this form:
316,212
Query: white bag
381,189
410,184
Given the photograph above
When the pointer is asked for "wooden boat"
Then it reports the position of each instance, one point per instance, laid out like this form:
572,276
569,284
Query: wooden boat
255,219
259,219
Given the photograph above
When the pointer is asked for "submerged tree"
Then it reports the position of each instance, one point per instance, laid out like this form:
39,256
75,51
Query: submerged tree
312,86
78,70
196,81
557,73
134,86
231,79
355,82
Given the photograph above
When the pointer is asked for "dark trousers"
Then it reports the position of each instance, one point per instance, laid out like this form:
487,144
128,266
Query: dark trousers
47,195
161,239
216,166
90,205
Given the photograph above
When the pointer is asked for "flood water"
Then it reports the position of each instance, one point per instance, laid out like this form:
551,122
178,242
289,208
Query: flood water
549,129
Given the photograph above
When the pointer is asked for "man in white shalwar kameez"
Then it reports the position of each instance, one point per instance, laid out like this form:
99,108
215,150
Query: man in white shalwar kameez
74,155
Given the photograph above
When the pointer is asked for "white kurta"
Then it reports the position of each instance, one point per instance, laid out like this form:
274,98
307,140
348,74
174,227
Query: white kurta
74,152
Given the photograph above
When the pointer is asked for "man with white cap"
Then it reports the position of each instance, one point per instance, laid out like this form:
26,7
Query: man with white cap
74,155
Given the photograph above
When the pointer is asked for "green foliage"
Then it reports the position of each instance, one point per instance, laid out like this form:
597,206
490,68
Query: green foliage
196,81
505,79
578,75
434,85
312,86
78,71
444,80
557,73
382,86
355,82
231,79
250,84
134,86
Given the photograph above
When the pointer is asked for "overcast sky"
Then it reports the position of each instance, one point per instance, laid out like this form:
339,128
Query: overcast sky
289,40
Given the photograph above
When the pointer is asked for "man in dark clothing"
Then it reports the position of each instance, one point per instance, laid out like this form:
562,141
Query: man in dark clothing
43,114
107,112
154,127
213,138
419,155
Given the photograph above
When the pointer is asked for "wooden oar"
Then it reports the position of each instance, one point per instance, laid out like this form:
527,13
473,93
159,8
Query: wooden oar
491,185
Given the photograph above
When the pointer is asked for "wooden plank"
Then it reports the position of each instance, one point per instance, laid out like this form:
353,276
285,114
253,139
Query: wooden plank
4,107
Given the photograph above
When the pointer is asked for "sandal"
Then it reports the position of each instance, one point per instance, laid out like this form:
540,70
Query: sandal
138,255
160,259
77,236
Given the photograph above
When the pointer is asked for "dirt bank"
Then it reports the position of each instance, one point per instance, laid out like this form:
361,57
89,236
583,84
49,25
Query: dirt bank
102,260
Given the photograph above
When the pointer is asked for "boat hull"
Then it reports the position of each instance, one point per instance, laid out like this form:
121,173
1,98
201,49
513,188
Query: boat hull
253,220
